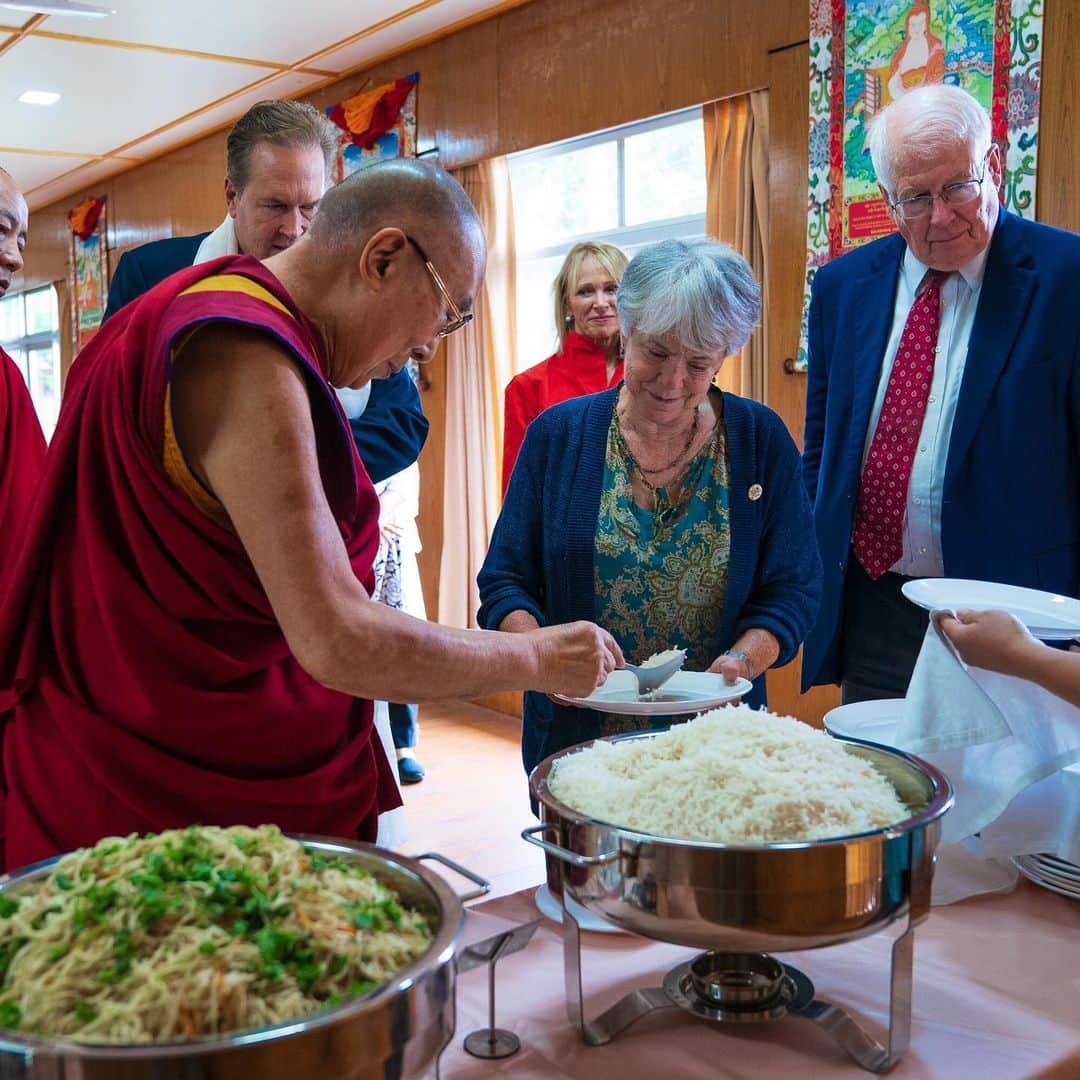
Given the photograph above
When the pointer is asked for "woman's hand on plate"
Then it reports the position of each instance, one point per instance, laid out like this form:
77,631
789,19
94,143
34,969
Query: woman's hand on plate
733,668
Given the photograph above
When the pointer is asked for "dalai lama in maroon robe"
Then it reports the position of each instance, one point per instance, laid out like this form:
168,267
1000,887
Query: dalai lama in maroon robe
188,627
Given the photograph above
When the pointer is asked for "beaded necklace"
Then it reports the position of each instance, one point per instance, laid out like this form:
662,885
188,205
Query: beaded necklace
663,514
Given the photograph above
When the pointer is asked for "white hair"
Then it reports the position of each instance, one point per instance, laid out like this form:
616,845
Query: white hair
699,290
922,124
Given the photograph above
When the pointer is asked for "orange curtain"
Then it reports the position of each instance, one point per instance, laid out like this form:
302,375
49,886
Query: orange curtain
737,212
480,362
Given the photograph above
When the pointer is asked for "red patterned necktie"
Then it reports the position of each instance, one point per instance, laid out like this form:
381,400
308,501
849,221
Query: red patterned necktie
879,516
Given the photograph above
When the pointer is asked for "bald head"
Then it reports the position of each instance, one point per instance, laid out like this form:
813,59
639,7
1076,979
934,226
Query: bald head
414,196
13,224
392,263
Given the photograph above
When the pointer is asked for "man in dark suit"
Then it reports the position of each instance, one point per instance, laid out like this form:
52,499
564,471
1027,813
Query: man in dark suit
943,399
277,159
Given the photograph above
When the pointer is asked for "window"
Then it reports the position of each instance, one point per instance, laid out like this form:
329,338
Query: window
30,335
629,186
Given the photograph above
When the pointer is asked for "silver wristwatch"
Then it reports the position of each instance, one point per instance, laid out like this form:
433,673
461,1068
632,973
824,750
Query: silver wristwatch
740,656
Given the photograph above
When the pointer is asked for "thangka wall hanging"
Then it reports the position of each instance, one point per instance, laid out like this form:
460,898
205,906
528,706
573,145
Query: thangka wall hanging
375,124
866,53
89,268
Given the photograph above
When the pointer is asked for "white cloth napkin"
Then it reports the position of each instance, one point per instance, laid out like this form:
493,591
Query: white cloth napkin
1042,818
945,707
959,873
1003,742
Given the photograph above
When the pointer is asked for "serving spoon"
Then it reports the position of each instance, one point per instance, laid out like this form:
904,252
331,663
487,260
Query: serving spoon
651,677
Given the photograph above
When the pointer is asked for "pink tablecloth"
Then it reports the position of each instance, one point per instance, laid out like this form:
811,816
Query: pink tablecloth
997,996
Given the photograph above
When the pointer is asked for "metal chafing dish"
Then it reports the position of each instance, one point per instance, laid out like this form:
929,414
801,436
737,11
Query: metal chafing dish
398,1030
740,902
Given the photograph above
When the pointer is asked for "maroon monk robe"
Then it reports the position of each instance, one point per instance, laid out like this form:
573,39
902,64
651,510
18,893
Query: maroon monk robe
22,457
155,688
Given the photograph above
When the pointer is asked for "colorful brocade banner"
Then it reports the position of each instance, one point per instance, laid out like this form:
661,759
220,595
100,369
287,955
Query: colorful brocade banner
864,54
89,268
376,124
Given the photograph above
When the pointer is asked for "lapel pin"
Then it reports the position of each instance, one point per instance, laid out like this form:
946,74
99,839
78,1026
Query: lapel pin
755,492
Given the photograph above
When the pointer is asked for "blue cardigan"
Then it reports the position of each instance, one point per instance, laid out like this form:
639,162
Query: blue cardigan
541,554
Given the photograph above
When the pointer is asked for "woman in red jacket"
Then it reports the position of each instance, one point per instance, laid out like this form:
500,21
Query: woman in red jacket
588,357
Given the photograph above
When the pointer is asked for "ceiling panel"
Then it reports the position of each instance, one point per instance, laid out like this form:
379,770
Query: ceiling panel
89,174
30,170
107,100
282,86
278,30
399,35
136,100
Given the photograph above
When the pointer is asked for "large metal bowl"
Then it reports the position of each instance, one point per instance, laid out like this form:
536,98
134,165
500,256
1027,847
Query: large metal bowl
396,1031
750,898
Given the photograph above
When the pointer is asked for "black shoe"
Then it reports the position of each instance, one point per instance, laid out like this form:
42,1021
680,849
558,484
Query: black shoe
409,770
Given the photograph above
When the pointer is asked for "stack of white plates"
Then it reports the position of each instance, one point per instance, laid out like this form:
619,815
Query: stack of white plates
1051,873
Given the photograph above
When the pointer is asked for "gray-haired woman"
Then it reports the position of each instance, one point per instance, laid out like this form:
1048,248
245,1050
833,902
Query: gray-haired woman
665,510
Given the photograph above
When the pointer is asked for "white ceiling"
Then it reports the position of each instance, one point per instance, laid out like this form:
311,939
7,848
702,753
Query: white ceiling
159,73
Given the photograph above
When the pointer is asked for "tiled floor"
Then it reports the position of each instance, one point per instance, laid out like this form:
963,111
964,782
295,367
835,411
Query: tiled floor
473,802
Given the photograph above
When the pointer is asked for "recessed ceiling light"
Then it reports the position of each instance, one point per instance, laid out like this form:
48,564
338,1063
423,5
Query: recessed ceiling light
59,7
39,97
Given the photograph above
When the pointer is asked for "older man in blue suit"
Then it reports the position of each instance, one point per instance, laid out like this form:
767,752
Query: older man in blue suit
943,400
278,155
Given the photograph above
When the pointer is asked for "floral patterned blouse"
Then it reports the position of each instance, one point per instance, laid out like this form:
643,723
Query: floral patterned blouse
661,576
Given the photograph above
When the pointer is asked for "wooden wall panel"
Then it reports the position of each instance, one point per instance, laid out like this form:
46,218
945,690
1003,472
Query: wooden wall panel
176,195
621,60
788,110
457,102
1058,186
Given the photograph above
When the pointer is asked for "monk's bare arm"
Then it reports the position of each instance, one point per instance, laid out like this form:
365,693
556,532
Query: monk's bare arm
243,418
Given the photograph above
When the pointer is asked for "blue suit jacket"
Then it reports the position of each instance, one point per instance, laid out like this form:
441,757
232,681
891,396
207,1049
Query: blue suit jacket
1011,501
391,432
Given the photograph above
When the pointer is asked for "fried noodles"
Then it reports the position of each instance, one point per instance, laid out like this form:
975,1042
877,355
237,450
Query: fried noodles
196,932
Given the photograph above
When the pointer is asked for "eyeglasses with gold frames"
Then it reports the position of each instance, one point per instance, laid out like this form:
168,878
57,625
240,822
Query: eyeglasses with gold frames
458,318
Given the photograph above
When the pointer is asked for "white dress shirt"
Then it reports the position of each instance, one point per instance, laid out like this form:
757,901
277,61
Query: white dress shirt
959,298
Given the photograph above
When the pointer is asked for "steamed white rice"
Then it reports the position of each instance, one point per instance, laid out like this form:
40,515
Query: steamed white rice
659,658
734,775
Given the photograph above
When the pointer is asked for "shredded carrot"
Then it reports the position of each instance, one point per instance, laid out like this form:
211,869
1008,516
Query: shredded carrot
187,1021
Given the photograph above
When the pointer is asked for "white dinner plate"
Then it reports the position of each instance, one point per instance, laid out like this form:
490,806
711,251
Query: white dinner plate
1031,870
1047,615
1053,865
685,692
550,906
871,721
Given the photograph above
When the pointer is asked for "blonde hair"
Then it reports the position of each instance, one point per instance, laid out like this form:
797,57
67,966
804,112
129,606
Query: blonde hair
607,255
